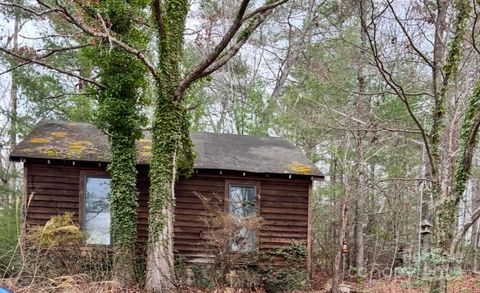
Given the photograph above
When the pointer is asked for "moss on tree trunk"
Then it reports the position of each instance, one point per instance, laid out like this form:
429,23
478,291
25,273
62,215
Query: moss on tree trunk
447,201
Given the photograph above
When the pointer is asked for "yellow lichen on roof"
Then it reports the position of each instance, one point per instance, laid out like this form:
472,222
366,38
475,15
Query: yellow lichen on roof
147,147
300,168
50,152
145,140
59,134
39,140
78,147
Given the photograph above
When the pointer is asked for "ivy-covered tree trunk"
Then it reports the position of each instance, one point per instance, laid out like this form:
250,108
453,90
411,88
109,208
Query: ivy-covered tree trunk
171,143
123,200
171,151
163,172
448,197
119,115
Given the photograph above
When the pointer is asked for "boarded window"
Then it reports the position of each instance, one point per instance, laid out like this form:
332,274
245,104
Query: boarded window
97,210
241,209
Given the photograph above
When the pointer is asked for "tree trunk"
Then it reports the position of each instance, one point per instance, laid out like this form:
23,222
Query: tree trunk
170,144
123,200
337,275
474,239
160,260
359,169
359,247
474,245
13,116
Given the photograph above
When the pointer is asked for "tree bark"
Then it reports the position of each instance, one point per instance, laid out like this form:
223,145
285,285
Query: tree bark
171,146
160,259
337,275
359,247
474,239
13,116
359,168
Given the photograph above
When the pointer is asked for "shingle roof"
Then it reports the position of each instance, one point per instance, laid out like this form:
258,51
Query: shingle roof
85,142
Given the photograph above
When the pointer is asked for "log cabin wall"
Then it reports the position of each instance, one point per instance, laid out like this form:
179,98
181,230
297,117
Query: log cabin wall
283,203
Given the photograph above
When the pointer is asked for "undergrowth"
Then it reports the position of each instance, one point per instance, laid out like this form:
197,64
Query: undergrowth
9,251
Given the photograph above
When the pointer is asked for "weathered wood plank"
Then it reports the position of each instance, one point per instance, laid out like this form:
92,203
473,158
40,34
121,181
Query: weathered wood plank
53,204
281,204
283,211
284,199
284,193
285,217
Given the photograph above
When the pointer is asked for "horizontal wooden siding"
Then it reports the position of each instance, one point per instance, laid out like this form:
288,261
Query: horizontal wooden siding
55,189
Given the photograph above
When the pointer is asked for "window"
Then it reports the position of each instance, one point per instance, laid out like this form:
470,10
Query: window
96,215
241,210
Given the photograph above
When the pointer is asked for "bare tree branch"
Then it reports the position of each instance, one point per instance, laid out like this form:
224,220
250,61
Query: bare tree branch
29,10
475,20
66,94
15,67
51,52
49,66
200,68
80,23
263,8
410,41
461,233
398,89
222,59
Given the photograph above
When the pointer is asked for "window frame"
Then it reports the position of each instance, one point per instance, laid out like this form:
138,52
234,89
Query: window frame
81,204
245,183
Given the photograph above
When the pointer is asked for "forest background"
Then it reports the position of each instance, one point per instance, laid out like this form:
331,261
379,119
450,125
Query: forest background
381,95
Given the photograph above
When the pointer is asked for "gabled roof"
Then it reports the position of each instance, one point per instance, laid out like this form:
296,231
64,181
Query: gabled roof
85,142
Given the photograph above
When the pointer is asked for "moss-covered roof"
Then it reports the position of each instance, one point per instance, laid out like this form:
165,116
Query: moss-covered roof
85,142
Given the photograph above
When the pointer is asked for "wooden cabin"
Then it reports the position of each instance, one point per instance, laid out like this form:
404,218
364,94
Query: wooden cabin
65,171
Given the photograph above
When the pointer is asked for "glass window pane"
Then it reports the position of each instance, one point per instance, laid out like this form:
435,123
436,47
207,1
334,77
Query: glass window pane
242,207
97,210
